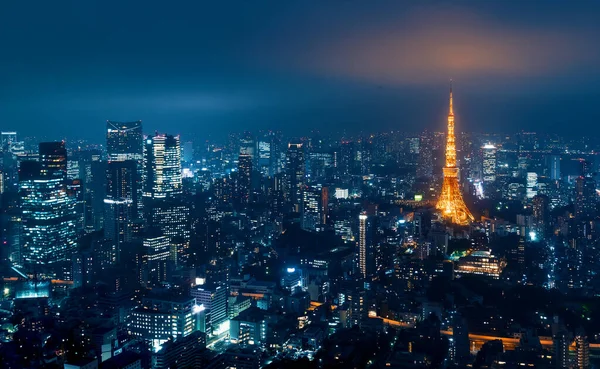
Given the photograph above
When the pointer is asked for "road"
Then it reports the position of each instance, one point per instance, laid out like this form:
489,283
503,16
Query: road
477,340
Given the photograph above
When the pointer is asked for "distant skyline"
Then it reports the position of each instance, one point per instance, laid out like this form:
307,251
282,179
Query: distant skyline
203,69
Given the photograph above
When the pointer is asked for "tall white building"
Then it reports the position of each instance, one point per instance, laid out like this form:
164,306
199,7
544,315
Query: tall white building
162,166
213,298
155,260
362,245
532,185
489,163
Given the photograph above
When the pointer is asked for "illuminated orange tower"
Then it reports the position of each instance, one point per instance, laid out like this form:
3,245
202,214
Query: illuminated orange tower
451,203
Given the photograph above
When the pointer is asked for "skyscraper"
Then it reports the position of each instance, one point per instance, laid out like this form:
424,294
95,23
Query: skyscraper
155,259
264,156
171,216
554,164
532,185
489,162
124,140
162,167
362,245
164,206
311,208
425,159
585,192
248,145
540,213
7,138
10,172
213,297
450,202
244,179
120,204
275,152
187,152
295,175
53,160
585,197
582,350
92,172
49,214
460,338
561,342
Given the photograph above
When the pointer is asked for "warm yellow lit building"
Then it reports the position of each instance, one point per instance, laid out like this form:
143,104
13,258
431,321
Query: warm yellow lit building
481,263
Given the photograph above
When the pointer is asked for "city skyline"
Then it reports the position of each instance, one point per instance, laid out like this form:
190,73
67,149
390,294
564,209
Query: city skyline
391,184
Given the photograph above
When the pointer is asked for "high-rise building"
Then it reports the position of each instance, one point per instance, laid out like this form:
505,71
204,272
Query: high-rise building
413,145
11,228
425,159
53,160
295,175
250,328
75,192
311,208
264,156
155,260
213,298
554,164
461,343
582,351
171,216
7,138
124,140
362,245
346,158
586,168
187,152
162,318
244,179
275,152
10,172
83,268
92,172
531,187
540,212
49,214
120,204
561,342
324,204
585,197
451,202
248,145
164,206
585,192
321,163
162,167
489,162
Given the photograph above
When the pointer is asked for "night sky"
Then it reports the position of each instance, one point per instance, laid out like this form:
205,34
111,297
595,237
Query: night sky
211,67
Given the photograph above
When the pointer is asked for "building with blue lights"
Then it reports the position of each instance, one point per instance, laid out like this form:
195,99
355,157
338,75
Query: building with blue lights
49,214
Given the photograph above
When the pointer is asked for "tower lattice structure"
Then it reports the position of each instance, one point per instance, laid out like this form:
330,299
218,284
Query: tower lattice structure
451,202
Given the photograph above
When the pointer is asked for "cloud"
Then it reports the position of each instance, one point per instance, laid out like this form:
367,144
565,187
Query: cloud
433,45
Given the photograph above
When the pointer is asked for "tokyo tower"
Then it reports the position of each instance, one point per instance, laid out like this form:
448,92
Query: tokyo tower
451,203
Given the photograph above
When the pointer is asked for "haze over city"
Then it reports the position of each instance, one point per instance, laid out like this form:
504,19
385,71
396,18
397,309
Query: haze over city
207,68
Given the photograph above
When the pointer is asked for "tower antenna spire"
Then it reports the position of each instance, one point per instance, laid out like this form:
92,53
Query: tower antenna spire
451,107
